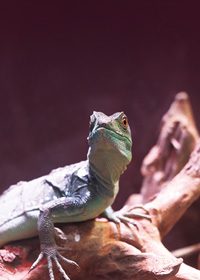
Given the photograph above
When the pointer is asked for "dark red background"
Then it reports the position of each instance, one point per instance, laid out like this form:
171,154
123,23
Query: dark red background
59,62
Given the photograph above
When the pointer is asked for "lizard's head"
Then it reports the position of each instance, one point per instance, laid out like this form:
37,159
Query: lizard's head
111,135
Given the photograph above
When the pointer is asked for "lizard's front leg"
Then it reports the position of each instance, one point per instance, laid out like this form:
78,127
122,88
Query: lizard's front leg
69,206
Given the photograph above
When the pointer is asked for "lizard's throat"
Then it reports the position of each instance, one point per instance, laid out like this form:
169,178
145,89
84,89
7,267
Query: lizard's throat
107,165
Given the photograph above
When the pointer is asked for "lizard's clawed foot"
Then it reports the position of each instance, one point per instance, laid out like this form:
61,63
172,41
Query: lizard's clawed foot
126,215
131,212
55,256
119,217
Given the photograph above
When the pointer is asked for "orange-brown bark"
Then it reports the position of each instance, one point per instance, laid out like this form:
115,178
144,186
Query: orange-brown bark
177,139
105,250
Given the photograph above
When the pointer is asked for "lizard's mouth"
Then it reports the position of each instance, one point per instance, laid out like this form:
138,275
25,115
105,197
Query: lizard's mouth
106,132
103,138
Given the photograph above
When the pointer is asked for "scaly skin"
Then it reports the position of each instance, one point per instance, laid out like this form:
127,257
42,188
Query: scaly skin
77,192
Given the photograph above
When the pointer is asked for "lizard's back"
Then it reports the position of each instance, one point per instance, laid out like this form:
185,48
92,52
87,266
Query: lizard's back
19,204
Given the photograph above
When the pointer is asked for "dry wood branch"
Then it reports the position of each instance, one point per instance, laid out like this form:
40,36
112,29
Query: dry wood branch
172,202
177,139
105,250
186,273
187,251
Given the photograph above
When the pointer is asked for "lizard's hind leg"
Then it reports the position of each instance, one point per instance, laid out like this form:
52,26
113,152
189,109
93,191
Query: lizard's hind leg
21,227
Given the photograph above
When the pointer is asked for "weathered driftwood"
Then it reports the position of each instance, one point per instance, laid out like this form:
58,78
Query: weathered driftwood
187,251
105,250
178,136
176,141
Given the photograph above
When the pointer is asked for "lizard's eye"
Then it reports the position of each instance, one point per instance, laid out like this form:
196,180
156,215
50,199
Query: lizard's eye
125,122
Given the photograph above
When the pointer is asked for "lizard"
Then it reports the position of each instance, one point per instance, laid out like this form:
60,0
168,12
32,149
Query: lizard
74,193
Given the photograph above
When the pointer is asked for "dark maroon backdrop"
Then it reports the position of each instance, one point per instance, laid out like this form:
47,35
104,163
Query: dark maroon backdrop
60,62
